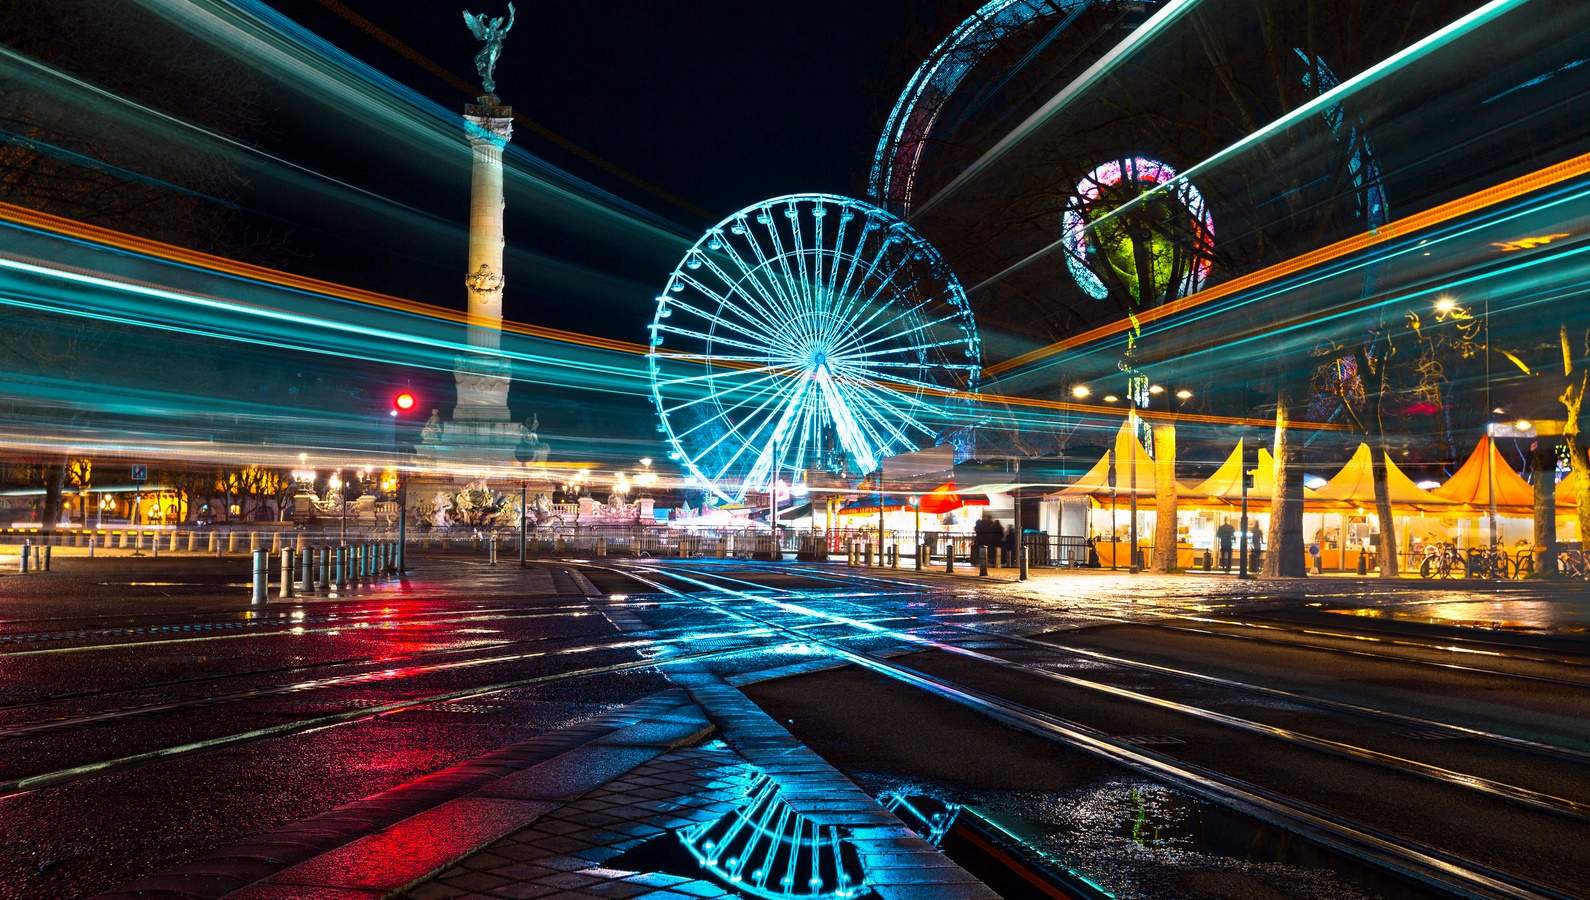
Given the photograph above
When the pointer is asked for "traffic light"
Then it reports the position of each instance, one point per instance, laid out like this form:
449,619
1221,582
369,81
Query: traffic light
402,402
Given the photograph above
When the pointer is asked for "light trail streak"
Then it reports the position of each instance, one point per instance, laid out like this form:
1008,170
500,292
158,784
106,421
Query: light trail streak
1394,230
1140,37
1323,102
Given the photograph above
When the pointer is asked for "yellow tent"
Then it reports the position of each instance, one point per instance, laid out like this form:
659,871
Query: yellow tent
1224,487
1355,485
1486,475
1565,489
1095,482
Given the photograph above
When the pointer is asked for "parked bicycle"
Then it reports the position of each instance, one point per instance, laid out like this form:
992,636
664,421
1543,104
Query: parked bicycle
1571,564
1491,562
1442,560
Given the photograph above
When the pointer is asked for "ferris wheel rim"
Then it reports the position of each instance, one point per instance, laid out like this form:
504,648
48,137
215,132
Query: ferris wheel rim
780,311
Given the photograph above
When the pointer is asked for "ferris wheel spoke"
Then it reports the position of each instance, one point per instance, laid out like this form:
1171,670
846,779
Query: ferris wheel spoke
853,302
763,304
802,286
872,303
790,306
795,285
732,373
775,394
777,308
861,342
765,468
760,321
756,331
766,384
889,401
889,351
845,425
711,339
750,439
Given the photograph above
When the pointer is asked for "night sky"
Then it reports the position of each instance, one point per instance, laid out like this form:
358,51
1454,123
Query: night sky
717,103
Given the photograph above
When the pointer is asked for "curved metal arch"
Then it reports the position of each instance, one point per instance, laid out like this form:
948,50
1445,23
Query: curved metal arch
930,87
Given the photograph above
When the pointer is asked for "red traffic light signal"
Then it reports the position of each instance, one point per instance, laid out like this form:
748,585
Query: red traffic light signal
403,402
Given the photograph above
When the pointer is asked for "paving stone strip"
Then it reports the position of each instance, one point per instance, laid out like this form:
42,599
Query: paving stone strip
377,845
571,851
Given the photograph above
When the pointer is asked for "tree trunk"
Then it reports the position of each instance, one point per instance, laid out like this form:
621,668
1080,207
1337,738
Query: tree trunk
1544,459
1165,498
1284,539
1581,488
54,487
1386,550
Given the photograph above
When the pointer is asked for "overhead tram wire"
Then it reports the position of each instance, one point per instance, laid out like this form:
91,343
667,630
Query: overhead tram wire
452,80
1539,179
1320,102
1140,37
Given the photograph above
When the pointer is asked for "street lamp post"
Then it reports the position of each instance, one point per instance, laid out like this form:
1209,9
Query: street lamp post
1131,450
1242,539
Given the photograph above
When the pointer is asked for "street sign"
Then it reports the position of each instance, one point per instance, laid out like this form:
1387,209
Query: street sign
140,473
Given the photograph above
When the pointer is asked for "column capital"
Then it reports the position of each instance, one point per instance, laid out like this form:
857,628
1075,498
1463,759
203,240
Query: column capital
487,122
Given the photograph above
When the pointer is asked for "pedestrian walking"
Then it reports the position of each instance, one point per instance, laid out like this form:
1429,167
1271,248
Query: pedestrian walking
1254,548
1224,535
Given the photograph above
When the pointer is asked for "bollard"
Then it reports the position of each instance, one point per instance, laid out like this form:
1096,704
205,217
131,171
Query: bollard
79,539
231,542
302,543
171,542
253,541
921,556
193,541
27,555
982,562
260,570
325,567
1023,562
1363,563
850,554
949,559
46,566
894,557
341,567
306,570
866,555
356,563
154,544
91,542
491,554
601,546
287,572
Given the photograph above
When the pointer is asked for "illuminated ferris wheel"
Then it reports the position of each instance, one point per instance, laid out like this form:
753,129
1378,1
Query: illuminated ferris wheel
807,332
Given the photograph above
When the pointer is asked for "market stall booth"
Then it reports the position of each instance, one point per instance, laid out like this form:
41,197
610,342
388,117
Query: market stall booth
1101,500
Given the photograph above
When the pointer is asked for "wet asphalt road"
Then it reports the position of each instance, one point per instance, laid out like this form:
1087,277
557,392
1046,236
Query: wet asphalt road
148,714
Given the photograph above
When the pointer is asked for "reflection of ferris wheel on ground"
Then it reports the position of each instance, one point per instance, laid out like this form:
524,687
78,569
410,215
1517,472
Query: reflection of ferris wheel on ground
807,332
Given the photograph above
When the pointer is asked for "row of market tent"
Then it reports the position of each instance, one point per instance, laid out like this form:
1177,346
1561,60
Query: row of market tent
1484,482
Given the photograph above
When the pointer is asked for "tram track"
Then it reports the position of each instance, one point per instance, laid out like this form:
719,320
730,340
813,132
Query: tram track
1398,853
1505,741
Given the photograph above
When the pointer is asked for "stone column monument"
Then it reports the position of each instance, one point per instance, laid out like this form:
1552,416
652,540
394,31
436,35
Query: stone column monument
482,378
481,432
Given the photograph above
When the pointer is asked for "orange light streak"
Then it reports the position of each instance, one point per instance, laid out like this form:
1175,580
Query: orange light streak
1507,190
173,253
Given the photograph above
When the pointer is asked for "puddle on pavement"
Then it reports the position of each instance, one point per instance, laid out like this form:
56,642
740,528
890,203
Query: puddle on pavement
1126,837
1523,616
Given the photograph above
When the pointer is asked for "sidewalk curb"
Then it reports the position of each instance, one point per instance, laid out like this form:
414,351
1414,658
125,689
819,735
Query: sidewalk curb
383,843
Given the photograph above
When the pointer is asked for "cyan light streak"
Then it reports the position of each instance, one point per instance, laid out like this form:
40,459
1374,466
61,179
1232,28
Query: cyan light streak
1324,102
1461,247
353,92
1320,104
1140,37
